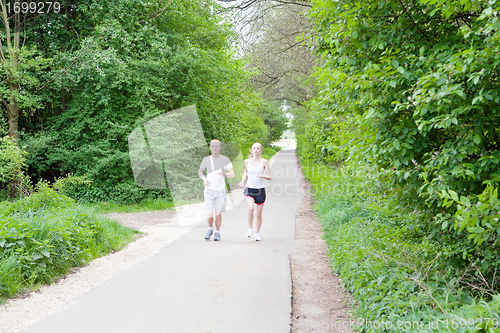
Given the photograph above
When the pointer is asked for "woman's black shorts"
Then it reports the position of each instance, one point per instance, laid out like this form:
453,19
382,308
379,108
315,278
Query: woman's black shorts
258,194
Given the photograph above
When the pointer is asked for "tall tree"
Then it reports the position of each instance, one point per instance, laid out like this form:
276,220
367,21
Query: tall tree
271,38
9,57
128,62
18,67
21,59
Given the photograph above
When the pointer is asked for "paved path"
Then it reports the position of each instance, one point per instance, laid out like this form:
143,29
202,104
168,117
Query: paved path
193,285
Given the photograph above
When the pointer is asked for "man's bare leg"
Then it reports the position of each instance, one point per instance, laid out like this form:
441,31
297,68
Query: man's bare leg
210,218
218,220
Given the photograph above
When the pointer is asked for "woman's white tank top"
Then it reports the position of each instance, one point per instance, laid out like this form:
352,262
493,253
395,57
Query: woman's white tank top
253,171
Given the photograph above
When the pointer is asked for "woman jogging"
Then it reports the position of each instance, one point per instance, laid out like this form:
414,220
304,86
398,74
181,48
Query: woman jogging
257,169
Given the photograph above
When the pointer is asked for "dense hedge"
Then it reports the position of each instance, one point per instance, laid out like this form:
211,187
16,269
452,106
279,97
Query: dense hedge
413,87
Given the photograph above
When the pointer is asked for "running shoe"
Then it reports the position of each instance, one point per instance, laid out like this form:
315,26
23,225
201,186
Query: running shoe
208,234
257,236
249,233
217,236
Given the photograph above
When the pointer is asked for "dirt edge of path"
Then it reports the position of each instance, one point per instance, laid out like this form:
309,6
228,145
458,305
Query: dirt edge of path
319,302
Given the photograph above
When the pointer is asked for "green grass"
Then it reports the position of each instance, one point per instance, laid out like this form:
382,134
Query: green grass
44,236
394,276
149,205
269,151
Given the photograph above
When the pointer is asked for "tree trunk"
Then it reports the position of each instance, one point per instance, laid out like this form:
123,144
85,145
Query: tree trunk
13,44
10,102
13,111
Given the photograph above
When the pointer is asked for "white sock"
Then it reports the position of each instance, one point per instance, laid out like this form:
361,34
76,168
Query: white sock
211,228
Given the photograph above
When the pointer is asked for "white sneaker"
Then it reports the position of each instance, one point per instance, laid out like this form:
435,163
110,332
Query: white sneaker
257,236
249,233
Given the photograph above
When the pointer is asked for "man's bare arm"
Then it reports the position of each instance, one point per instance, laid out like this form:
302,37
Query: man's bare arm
202,176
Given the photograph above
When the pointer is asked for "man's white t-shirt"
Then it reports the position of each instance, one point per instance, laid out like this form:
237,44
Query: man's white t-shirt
216,181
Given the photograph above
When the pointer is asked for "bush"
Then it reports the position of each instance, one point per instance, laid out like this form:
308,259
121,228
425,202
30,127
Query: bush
12,165
424,98
395,274
43,236
321,137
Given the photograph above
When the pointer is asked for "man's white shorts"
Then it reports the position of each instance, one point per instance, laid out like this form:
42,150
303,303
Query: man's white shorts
215,199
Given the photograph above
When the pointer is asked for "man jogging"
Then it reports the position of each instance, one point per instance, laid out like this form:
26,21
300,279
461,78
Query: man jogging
218,166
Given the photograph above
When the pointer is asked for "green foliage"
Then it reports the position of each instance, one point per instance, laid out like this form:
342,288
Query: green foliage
481,315
22,68
275,119
12,160
12,168
321,137
140,60
269,151
427,91
4,127
254,129
416,86
478,214
61,184
44,198
394,274
43,236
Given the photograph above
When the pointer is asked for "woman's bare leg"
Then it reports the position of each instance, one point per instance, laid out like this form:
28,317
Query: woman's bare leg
250,203
258,217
